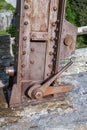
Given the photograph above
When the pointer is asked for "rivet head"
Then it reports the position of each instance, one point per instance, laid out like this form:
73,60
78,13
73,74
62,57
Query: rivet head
24,52
22,65
55,46
48,74
53,23
32,49
50,66
52,38
24,38
54,59
57,21
26,7
55,8
57,29
52,72
31,62
26,23
50,53
22,75
56,38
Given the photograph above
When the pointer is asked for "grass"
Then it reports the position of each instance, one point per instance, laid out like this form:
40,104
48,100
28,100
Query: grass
3,32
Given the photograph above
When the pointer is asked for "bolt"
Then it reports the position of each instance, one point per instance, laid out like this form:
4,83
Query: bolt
38,94
68,40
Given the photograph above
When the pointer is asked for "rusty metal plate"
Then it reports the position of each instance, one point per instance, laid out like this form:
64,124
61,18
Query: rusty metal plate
40,15
37,60
71,31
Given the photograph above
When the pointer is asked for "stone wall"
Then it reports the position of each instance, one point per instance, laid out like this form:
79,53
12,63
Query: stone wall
5,58
5,19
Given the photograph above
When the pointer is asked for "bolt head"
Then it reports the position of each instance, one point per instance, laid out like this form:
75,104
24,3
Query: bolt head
38,94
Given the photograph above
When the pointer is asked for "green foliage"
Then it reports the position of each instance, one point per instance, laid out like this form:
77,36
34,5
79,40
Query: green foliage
11,30
70,13
81,41
5,5
3,32
76,13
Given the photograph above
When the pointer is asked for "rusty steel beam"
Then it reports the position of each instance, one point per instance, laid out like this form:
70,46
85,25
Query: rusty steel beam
43,38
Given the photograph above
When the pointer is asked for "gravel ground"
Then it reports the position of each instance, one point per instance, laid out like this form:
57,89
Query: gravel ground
69,114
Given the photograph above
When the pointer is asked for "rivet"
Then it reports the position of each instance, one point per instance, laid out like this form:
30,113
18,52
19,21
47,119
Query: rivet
54,46
32,49
53,23
26,23
22,75
56,38
55,8
57,21
22,65
55,53
24,52
50,53
48,74
50,66
26,7
52,38
53,72
57,29
25,38
32,62
54,59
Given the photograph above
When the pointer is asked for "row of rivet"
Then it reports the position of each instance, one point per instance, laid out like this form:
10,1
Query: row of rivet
24,39
52,39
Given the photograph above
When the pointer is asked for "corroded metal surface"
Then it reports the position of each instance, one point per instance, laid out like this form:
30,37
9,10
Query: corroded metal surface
41,42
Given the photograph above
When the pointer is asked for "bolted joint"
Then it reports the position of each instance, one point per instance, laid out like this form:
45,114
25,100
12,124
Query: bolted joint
37,94
10,71
68,40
